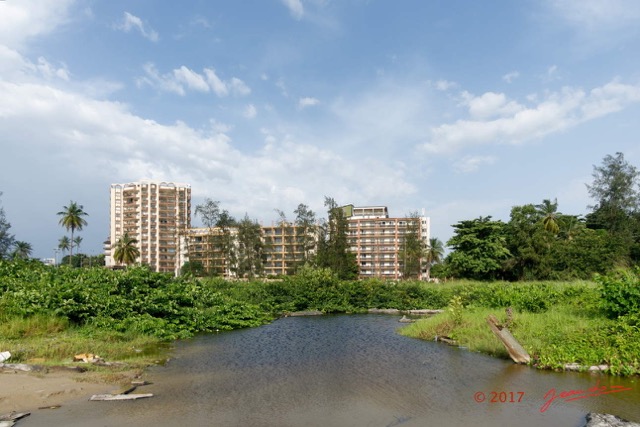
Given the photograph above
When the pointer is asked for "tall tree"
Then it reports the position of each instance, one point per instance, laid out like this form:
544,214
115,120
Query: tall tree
249,249
525,237
412,247
209,213
126,250
433,254
22,250
71,218
6,238
479,248
333,249
306,230
220,240
615,189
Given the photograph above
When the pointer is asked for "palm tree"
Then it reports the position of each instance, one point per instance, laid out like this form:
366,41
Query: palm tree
549,212
22,250
433,254
64,244
72,219
126,251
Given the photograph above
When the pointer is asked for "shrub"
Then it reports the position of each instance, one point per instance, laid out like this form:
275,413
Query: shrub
620,292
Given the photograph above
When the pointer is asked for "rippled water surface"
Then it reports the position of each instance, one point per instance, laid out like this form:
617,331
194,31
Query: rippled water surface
347,370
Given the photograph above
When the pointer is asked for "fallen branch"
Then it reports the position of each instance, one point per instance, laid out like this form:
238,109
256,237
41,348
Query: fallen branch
516,351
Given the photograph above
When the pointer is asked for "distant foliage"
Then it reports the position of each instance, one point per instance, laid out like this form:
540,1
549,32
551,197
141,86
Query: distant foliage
620,293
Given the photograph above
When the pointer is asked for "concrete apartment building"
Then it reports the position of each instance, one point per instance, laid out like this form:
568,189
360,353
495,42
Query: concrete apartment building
284,249
203,245
378,240
154,213
282,252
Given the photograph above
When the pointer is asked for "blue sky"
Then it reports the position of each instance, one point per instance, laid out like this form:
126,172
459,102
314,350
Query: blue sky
461,108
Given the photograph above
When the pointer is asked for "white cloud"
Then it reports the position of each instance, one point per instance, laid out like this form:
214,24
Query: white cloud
49,71
307,102
25,19
557,111
191,79
490,105
239,87
510,77
216,84
472,163
295,8
153,78
183,79
130,22
250,111
105,141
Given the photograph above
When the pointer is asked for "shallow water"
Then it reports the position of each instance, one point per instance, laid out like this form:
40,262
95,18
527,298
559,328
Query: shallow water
345,370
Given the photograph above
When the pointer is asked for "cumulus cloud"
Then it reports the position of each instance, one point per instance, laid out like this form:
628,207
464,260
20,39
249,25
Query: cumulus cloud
107,142
182,79
307,102
295,8
130,22
494,119
23,20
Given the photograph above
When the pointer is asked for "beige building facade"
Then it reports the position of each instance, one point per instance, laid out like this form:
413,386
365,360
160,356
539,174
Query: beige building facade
378,240
156,214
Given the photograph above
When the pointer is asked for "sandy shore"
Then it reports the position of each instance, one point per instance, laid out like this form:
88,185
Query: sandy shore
28,392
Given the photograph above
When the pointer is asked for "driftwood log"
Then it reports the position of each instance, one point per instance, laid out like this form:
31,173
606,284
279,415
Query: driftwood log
97,397
516,351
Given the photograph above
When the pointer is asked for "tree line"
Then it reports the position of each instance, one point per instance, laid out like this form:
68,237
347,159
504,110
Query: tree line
238,246
539,242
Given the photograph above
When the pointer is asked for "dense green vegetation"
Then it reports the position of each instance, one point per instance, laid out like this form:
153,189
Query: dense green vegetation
63,310
540,243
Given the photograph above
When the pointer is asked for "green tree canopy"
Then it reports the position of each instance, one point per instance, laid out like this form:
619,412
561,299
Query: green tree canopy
306,229
479,249
249,249
333,249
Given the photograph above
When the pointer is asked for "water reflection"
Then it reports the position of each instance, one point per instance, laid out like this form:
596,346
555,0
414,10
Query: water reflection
341,371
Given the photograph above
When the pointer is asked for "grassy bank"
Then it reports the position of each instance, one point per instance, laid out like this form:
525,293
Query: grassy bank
572,327
46,340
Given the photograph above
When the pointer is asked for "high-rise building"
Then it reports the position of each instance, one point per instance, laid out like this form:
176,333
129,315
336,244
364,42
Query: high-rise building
378,241
156,214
